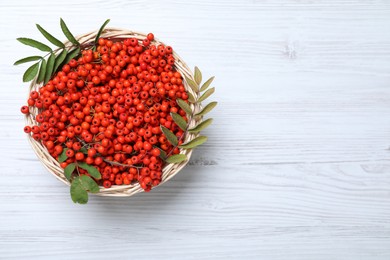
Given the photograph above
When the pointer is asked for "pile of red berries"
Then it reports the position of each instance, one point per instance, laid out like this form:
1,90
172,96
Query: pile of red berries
105,108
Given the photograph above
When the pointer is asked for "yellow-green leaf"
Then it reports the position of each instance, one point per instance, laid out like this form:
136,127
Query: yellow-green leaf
42,70
27,59
206,84
207,108
34,43
67,33
49,67
199,127
31,72
171,137
194,143
206,94
198,75
192,84
50,37
184,106
191,98
179,120
69,170
177,158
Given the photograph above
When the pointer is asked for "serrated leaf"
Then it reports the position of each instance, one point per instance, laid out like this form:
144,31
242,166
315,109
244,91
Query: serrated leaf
179,120
192,84
91,170
206,94
171,137
72,54
42,70
27,59
207,109
77,192
62,157
34,43
59,59
69,170
177,158
67,33
31,72
89,184
199,127
194,143
191,98
206,84
84,150
49,67
50,37
197,75
184,106
101,30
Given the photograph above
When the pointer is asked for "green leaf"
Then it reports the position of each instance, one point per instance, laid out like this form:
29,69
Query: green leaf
49,67
42,70
67,33
177,158
31,72
62,157
50,37
198,75
59,59
184,106
206,94
179,120
101,30
91,170
207,109
27,59
34,43
84,150
206,84
69,170
72,54
169,135
199,127
192,84
89,184
163,154
194,143
77,192
191,98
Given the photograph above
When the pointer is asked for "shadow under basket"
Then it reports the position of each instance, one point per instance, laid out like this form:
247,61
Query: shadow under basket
169,169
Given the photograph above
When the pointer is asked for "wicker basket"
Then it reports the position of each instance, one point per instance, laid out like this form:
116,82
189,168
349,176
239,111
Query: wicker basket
169,170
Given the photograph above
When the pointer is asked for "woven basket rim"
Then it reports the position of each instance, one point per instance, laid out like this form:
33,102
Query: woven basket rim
169,170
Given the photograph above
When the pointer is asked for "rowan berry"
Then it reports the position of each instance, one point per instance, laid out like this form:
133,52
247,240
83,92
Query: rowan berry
25,110
69,153
79,156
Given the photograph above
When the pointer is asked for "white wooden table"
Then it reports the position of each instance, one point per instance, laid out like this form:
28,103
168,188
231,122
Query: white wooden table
298,161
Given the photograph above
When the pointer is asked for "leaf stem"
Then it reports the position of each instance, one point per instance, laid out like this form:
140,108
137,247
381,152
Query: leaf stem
121,164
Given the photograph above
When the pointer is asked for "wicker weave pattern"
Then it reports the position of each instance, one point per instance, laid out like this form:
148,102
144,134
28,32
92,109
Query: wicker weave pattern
169,170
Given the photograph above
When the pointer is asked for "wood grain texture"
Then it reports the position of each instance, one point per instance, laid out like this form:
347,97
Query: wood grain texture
297,164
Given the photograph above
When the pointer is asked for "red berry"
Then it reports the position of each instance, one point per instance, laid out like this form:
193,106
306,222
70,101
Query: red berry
24,110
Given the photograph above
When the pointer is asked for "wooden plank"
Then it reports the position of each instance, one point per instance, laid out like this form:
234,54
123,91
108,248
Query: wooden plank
297,164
